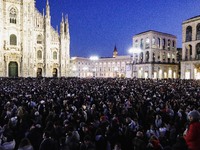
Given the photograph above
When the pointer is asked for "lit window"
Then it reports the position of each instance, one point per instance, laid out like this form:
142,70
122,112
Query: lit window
147,43
169,44
153,41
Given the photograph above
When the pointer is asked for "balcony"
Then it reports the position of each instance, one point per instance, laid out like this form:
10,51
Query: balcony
158,62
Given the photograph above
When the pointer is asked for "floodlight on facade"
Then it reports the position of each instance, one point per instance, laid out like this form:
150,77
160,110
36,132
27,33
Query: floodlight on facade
94,58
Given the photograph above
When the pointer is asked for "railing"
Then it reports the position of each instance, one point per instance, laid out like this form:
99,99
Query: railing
137,63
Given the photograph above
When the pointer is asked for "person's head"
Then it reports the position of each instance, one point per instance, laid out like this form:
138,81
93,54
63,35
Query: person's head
193,116
139,134
24,142
87,139
128,120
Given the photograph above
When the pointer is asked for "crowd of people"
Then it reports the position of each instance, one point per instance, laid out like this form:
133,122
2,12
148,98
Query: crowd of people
99,114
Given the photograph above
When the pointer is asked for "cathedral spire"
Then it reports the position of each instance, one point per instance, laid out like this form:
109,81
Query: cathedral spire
47,9
62,26
66,25
115,53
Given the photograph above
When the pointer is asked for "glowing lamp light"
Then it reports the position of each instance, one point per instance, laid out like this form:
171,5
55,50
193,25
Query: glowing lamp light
134,50
94,58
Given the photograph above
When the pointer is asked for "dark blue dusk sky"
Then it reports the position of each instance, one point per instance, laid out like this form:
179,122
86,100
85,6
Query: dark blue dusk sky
96,26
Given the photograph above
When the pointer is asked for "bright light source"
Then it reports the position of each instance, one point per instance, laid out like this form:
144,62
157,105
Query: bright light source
85,68
131,51
94,58
73,58
134,50
116,69
147,40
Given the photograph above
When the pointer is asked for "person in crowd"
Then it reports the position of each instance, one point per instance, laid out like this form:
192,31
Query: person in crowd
154,143
192,133
48,142
25,144
109,110
87,144
138,141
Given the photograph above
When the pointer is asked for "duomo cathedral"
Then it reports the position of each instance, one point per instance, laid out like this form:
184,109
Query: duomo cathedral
29,45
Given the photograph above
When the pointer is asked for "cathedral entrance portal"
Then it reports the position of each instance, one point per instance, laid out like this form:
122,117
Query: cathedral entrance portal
55,72
13,69
39,72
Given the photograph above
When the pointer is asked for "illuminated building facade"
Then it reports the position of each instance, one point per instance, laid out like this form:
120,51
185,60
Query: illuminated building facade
154,55
29,45
104,67
190,64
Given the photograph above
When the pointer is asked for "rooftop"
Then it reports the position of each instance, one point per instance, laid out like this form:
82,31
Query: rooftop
193,17
155,32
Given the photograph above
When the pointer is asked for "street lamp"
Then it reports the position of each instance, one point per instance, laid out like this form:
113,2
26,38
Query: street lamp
93,59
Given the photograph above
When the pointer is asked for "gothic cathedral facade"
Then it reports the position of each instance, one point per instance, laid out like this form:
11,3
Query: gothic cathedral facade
29,45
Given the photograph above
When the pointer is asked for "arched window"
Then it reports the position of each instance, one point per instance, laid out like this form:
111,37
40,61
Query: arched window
168,44
159,43
39,39
147,56
153,41
141,43
188,34
173,44
186,53
54,55
39,54
154,57
164,57
158,57
173,58
168,57
13,15
190,51
198,32
198,51
147,43
13,39
141,57
163,43
136,43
